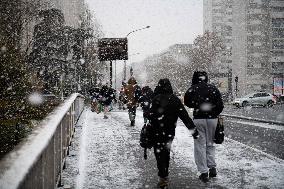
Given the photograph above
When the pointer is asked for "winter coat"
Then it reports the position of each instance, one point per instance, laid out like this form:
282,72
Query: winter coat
95,93
106,96
146,98
165,110
203,97
130,92
112,93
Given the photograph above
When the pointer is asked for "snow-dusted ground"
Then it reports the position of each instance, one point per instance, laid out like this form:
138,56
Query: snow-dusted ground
105,153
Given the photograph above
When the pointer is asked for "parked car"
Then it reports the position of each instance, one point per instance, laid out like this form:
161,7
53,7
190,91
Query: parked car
279,99
258,98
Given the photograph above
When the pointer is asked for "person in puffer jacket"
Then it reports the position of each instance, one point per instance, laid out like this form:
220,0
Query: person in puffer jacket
132,94
165,110
207,103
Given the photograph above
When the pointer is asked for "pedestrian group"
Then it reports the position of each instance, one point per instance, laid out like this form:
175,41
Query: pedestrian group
161,110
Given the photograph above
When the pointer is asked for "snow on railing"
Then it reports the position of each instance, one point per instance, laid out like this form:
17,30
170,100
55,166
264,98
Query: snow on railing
37,162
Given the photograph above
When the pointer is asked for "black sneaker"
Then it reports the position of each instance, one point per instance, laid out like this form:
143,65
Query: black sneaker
212,172
132,123
204,177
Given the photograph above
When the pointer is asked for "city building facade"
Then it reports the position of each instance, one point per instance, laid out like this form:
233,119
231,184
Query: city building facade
252,31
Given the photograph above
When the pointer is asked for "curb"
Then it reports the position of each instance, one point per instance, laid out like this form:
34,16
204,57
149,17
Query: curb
254,119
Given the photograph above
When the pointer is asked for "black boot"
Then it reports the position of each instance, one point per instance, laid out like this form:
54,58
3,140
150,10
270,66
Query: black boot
132,123
204,177
212,172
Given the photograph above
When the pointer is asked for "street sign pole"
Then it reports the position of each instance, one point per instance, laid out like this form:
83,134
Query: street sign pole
124,71
110,73
115,74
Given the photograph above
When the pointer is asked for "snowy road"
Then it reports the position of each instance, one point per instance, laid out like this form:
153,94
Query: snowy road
263,136
105,153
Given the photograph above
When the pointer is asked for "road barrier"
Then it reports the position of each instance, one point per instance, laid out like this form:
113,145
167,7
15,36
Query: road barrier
37,162
254,119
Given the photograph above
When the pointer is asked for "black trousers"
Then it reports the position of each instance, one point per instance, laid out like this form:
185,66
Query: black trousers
132,113
162,154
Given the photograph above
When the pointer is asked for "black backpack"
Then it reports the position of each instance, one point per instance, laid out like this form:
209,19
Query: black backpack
147,136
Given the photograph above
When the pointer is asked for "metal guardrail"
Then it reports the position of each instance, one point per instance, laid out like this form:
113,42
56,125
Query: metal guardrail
190,111
254,119
37,162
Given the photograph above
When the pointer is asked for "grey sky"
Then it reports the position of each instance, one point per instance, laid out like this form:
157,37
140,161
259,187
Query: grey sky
171,21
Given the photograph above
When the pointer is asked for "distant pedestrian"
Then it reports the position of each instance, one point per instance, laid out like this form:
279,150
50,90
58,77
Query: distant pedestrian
112,93
95,104
105,99
121,97
145,101
132,92
207,103
165,110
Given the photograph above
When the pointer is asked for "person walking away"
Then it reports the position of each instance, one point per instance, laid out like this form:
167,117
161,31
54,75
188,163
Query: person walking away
105,99
121,100
165,110
131,96
145,100
207,103
112,93
95,105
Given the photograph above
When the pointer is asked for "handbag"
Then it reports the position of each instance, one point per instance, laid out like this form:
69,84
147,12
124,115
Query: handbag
147,137
219,132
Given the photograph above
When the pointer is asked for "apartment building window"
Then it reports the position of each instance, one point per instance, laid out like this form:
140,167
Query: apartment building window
278,44
252,5
229,13
250,65
257,44
257,33
217,28
277,53
255,11
278,32
277,9
255,22
277,67
255,1
264,64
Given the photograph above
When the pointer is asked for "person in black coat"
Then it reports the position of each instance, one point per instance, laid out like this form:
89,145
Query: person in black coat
106,98
95,106
145,101
165,110
207,103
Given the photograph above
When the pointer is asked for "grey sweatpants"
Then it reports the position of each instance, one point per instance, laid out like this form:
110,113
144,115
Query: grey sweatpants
204,149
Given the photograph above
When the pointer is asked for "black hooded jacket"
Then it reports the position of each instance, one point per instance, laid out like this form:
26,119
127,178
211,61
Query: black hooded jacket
203,97
146,98
165,110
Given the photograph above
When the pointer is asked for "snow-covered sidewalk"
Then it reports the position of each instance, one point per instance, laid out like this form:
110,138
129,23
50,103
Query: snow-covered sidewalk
105,153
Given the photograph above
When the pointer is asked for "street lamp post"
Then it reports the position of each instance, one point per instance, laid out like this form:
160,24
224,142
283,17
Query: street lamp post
124,71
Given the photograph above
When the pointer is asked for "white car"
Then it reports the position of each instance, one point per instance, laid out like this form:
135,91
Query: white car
259,98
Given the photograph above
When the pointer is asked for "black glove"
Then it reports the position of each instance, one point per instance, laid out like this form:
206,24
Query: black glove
195,134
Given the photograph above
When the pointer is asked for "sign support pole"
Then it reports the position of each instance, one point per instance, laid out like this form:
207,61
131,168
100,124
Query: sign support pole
115,74
110,73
